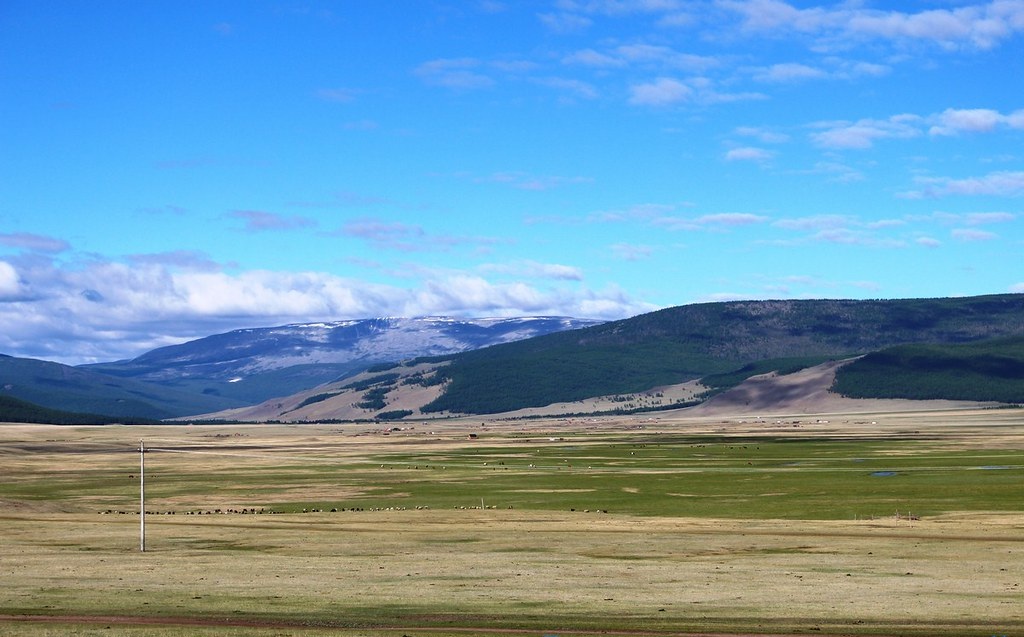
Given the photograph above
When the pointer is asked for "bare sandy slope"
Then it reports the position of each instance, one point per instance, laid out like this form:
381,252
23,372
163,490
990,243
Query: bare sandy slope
340,401
807,392
803,392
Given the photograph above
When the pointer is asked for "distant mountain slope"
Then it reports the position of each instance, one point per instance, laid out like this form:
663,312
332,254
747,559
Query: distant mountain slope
688,342
809,391
652,361
73,389
252,365
991,370
13,410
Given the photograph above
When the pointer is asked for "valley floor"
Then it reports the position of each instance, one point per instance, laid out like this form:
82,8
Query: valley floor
560,527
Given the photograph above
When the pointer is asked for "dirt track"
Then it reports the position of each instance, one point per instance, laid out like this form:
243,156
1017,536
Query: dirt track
125,620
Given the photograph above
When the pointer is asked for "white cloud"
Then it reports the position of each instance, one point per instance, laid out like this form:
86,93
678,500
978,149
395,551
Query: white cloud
730,219
663,91
928,242
576,88
339,95
997,184
638,212
841,230
788,72
458,73
772,15
982,218
564,22
33,242
663,56
972,234
405,237
817,222
749,153
105,311
620,7
262,221
10,283
590,57
526,181
1017,288
1016,119
766,136
533,269
863,133
837,172
975,120
709,222
631,252
978,26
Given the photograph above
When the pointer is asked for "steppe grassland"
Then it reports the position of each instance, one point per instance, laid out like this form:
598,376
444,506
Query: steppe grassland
764,525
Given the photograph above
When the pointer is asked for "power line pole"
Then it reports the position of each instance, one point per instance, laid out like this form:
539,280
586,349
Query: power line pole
142,496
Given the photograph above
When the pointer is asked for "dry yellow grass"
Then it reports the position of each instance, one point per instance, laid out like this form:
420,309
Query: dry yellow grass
549,572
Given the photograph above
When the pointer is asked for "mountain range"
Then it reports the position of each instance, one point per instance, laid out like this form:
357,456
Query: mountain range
426,367
244,367
700,350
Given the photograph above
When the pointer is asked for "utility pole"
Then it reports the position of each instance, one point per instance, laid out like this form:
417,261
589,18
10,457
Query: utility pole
142,496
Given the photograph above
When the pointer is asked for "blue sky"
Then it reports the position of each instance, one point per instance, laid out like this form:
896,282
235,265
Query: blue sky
171,170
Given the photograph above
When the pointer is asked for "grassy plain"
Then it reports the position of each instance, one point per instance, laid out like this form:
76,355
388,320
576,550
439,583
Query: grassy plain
873,524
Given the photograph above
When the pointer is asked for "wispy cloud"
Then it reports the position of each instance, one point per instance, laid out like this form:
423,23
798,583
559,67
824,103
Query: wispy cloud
972,234
730,219
864,133
339,95
456,73
749,153
645,212
571,87
632,252
392,235
974,120
997,184
713,222
564,23
34,242
979,26
763,135
535,270
787,73
404,237
840,230
179,259
527,181
664,91
262,221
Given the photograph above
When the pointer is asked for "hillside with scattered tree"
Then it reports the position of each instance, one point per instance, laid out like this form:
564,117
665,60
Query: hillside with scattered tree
684,343
991,370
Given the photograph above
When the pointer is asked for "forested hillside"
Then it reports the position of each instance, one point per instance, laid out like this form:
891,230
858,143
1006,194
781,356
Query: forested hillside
692,341
20,411
990,370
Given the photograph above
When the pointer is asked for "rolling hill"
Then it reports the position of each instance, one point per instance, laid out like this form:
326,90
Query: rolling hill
251,365
72,389
991,370
19,411
630,362
244,367
693,341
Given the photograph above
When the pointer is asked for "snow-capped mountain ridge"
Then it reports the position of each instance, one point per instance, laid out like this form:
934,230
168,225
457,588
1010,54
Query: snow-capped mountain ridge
258,363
